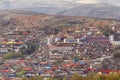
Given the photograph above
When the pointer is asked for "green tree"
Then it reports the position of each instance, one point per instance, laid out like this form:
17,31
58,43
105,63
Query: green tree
99,77
21,73
24,79
76,77
51,79
36,78
10,55
113,76
31,48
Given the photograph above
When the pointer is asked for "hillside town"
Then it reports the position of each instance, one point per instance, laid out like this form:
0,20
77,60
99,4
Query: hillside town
73,50
57,47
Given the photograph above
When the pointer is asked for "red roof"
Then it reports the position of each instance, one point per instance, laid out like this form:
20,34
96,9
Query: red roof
21,61
78,36
27,69
6,64
70,65
43,62
49,71
89,69
108,71
54,67
5,71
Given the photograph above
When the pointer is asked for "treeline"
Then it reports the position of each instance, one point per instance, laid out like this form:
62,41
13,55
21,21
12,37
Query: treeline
50,30
111,76
32,47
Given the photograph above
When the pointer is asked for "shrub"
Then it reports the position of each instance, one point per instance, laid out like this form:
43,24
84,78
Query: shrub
10,55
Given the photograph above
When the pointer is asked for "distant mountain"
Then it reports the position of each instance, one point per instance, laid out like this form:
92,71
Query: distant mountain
24,4
90,8
94,10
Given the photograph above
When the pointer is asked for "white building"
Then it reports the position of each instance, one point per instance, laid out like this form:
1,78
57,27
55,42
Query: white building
48,41
111,38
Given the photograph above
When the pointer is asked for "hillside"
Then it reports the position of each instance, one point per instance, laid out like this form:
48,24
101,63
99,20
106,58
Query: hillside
24,20
40,43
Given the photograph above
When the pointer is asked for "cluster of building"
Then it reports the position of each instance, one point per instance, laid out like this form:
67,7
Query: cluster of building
58,55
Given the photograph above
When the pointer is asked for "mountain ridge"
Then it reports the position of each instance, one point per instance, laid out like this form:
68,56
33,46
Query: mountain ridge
89,10
65,7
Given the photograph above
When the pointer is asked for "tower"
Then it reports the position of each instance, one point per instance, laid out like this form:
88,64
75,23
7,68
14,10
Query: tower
48,41
65,40
78,40
111,38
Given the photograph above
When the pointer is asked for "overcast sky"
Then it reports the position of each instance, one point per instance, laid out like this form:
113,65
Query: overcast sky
79,1
24,3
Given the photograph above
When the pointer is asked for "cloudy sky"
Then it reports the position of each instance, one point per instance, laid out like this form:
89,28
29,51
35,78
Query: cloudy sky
27,3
